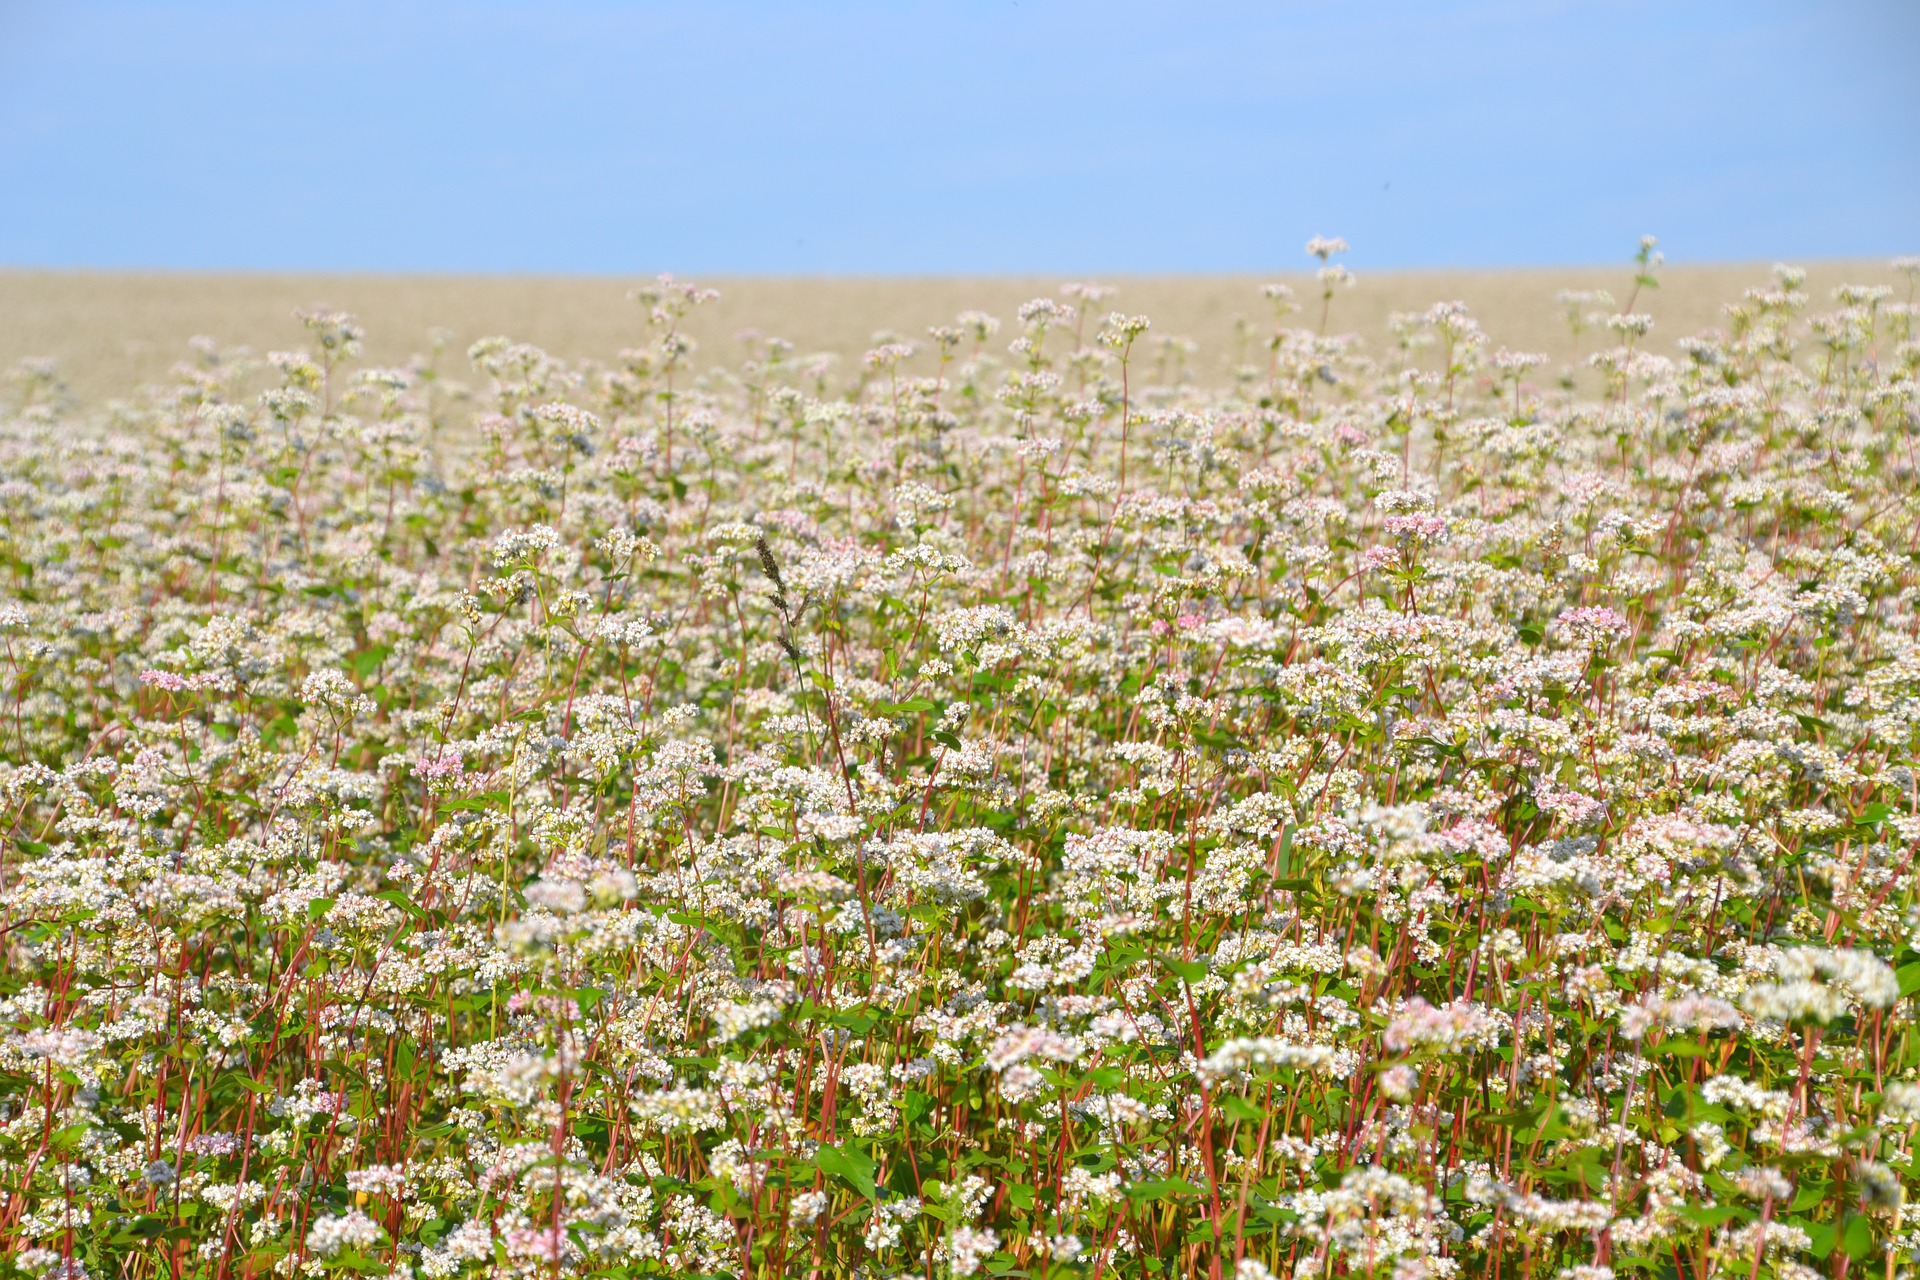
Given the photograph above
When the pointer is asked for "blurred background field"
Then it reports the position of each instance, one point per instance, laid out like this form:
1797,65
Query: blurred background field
112,332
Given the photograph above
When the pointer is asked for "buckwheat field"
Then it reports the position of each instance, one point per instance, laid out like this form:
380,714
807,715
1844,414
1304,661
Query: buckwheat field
1004,805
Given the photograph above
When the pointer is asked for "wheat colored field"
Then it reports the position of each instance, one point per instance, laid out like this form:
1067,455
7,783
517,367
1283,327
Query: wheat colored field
112,332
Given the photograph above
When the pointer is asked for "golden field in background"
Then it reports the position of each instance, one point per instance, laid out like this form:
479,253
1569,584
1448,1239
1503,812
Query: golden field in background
112,332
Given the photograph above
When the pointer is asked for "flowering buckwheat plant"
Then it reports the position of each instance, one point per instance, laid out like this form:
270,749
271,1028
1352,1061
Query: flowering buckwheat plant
1013,810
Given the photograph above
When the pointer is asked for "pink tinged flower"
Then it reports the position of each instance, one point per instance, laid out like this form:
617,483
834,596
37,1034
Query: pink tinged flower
1418,529
1595,624
445,765
1445,1028
1476,835
1576,808
1020,1043
169,680
1379,558
539,1244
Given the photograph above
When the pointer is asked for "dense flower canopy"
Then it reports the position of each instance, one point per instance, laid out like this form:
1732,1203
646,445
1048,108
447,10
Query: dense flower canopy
1006,807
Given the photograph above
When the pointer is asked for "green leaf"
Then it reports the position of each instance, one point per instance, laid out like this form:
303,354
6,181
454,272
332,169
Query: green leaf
355,1261
403,902
1238,1108
1705,1216
860,1021
486,801
1810,1194
70,1137
145,1227
910,707
1857,1239
852,1167
945,739
1161,1189
366,662
1522,1117
1189,971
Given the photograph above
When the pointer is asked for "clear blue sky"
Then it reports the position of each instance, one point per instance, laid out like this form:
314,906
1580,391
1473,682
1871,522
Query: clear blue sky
993,136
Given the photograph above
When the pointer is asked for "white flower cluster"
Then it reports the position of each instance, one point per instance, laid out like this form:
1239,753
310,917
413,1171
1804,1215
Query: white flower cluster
1060,802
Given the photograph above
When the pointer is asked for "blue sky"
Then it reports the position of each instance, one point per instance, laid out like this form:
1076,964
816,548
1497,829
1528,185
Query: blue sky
716,136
